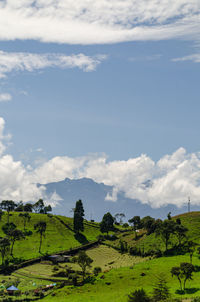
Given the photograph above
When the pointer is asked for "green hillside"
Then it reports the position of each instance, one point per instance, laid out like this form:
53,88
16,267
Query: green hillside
58,236
152,242
121,273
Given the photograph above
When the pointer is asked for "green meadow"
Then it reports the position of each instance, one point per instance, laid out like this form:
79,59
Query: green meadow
121,273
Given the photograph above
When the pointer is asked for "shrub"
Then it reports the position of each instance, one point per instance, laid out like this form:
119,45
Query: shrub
139,295
97,270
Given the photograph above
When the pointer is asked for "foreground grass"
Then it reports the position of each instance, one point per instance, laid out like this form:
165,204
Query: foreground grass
118,283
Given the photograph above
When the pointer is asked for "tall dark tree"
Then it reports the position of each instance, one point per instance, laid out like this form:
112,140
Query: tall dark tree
40,228
26,217
106,224
8,206
78,217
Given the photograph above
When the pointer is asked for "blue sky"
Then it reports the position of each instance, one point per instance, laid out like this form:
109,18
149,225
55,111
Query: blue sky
110,80
136,101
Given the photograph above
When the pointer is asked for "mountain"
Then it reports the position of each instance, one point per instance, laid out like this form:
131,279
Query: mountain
95,204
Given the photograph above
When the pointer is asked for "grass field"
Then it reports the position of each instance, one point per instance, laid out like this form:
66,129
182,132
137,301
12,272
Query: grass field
57,237
119,282
121,273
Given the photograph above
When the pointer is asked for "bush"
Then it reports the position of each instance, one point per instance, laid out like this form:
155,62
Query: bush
139,295
73,278
97,270
28,232
125,225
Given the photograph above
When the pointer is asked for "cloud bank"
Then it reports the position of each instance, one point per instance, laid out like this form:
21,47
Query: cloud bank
19,61
94,21
170,180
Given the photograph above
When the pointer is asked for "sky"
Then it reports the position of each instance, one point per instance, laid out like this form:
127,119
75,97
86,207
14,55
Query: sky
102,89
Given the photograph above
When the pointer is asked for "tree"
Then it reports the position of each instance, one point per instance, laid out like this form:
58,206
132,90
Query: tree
19,207
1,214
169,217
7,228
165,230
14,236
47,209
39,206
4,248
119,218
160,290
78,217
190,247
180,232
28,207
26,218
147,223
139,295
8,205
183,272
135,221
84,261
106,224
40,228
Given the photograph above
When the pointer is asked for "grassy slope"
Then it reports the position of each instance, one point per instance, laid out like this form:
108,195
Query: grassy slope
124,280
57,236
190,220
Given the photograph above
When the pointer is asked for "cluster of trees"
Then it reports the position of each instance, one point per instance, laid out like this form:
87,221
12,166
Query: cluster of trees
38,207
165,229
12,233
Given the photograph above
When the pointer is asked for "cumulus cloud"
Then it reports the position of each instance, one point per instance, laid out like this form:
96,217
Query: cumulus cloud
5,97
16,179
94,21
169,180
19,61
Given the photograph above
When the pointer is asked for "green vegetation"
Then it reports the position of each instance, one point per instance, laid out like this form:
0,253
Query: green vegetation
126,266
58,236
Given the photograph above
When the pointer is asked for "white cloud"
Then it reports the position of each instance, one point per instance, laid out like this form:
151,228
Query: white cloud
5,97
170,180
194,58
19,61
94,21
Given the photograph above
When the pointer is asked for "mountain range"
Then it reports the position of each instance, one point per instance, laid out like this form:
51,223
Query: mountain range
93,196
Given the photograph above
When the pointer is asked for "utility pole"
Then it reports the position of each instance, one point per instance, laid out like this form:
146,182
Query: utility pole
189,204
